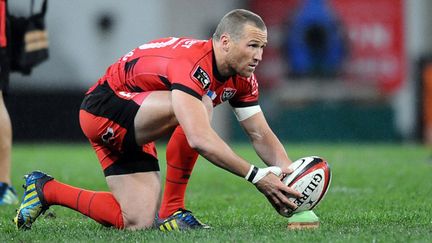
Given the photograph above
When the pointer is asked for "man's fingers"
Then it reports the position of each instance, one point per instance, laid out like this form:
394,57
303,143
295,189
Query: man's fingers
278,193
281,198
290,192
281,203
285,201
287,170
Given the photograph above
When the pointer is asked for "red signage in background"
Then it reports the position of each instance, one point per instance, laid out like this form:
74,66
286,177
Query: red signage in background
374,33
375,30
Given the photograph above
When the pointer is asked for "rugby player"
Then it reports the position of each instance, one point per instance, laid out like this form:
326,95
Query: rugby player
169,86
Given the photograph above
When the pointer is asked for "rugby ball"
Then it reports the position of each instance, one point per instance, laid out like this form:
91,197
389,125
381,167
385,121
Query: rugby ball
311,177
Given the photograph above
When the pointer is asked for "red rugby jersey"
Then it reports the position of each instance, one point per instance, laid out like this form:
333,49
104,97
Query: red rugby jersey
179,63
3,41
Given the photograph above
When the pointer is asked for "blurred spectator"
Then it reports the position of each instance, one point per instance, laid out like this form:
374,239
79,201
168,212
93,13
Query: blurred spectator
314,44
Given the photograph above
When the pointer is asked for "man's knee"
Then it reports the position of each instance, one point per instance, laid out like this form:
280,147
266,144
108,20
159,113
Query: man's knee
135,221
139,215
139,201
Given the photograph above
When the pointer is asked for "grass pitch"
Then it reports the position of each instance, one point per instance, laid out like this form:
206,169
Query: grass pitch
379,193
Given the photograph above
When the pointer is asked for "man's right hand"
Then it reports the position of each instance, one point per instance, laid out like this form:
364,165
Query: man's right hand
277,193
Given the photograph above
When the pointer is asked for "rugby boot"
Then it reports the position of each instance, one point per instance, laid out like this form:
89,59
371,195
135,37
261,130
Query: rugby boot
33,203
7,195
181,220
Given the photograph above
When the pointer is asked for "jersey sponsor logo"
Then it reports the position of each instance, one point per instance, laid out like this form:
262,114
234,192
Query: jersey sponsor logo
161,44
129,54
187,43
202,76
152,45
127,95
227,94
108,136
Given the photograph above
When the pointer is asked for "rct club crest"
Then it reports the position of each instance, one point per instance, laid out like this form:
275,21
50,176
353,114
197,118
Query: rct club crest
227,94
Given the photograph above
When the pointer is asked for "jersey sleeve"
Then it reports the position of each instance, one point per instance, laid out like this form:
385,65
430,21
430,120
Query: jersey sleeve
247,92
189,78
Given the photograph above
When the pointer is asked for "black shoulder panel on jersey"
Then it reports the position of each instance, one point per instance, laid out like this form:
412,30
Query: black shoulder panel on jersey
129,65
186,90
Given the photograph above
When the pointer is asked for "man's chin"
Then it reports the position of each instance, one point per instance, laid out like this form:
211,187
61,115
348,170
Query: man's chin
246,74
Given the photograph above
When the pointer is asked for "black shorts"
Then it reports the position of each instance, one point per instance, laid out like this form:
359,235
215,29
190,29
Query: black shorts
107,120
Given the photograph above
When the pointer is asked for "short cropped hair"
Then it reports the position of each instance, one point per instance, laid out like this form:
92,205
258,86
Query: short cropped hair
234,21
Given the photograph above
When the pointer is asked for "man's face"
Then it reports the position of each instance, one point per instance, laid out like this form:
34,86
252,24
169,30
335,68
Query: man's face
245,54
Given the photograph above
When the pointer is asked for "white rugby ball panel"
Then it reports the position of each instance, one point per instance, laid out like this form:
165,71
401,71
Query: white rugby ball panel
312,178
300,165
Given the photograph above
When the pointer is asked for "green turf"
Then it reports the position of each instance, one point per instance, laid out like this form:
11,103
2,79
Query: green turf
379,193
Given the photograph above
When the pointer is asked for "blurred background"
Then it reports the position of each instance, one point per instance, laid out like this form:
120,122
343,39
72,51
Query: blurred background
333,71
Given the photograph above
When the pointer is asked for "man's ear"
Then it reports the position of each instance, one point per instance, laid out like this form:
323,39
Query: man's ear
225,40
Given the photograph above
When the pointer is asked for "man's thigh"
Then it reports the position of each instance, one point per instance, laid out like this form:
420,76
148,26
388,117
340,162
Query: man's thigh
138,195
155,117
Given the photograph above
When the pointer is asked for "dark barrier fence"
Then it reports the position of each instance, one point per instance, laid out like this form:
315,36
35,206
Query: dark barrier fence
45,116
53,117
331,122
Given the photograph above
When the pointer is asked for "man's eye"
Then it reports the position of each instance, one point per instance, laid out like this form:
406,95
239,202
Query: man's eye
257,46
